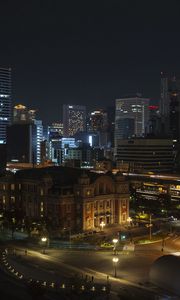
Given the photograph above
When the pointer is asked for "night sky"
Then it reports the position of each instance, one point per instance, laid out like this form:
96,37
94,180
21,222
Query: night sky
87,52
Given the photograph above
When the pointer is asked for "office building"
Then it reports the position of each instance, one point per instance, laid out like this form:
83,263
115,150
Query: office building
21,114
5,102
111,124
97,121
126,127
154,124
169,107
20,143
44,150
37,139
74,119
83,154
98,125
131,117
144,154
3,157
24,142
55,131
24,136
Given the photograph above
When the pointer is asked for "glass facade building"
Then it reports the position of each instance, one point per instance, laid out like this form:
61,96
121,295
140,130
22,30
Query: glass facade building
5,102
131,117
74,119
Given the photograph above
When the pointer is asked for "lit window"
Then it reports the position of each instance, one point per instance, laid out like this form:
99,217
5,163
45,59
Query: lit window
12,187
42,207
12,199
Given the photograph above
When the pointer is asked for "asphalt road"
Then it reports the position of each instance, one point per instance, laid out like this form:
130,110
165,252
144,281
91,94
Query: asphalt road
132,280
132,269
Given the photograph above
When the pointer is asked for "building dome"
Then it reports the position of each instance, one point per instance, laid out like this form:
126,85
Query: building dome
165,273
84,179
119,176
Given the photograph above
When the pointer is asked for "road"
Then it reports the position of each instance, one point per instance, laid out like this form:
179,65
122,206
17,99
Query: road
132,268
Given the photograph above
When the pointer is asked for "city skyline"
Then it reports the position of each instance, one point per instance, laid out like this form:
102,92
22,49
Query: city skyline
87,53
90,149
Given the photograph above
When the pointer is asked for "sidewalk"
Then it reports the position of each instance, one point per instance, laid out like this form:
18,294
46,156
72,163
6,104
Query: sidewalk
22,267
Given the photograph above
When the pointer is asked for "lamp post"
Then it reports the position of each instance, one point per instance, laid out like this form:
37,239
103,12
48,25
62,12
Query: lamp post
102,224
115,261
129,220
115,243
149,225
44,243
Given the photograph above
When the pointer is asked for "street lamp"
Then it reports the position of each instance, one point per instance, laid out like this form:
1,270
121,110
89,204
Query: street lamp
129,220
102,224
115,243
149,225
115,261
44,243
44,239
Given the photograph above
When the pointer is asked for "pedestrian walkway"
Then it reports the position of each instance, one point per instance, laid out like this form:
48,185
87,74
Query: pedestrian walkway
80,283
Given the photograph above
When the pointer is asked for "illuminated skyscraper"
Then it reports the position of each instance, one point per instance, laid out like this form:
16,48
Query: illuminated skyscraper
5,102
21,114
24,136
37,139
55,131
97,121
131,117
74,119
98,125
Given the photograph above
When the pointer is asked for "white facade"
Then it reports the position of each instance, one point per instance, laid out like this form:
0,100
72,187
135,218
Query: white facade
39,139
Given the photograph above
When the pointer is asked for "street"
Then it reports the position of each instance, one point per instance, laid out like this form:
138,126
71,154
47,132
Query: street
132,268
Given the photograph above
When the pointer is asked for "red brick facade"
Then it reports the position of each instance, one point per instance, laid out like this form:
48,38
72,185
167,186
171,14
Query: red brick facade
69,199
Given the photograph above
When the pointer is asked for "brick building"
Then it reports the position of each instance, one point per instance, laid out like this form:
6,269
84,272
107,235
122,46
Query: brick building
67,197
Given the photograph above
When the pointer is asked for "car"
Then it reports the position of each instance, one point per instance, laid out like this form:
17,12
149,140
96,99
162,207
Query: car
171,218
106,245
